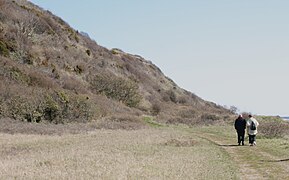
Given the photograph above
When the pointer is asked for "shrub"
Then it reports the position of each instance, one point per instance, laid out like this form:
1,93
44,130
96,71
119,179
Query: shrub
73,84
190,113
170,96
72,34
117,88
3,49
273,129
52,109
116,51
61,106
40,80
17,75
34,104
183,99
156,108
208,119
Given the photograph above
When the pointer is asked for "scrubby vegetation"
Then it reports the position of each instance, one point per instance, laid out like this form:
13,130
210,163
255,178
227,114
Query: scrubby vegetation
117,88
273,127
50,72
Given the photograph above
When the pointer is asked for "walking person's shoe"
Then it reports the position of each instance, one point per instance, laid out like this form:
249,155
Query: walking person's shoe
254,143
243,144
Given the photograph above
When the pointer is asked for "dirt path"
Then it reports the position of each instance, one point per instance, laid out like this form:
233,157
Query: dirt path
253,162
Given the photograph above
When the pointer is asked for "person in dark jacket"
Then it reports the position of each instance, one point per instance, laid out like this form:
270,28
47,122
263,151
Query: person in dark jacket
240,126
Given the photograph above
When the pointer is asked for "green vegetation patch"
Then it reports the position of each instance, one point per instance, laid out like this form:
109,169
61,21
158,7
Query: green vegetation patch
73,35
150,121
19,76
4,50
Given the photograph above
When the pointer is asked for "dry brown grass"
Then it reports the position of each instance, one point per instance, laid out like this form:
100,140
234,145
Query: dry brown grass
108,154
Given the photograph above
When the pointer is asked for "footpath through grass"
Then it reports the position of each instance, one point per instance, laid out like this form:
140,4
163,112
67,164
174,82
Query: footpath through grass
268,160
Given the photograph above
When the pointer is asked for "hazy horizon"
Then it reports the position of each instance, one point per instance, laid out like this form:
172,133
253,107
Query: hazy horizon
228,52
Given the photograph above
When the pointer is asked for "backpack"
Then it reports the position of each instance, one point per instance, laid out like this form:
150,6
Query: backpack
253,126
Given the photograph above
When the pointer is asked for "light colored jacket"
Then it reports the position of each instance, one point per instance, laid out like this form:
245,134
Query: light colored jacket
249,122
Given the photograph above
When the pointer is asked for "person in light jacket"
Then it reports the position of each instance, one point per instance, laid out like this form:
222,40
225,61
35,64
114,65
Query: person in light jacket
252,126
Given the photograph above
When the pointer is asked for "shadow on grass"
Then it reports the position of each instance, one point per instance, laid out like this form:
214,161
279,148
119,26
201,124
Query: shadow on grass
231,145
281,160
228,145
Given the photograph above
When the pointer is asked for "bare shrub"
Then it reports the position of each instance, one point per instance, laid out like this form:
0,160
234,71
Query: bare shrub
189,113
169,95
17,74
183,99
233,109
273,129
165,97
209,117
73,84
40,80
156,108
172,96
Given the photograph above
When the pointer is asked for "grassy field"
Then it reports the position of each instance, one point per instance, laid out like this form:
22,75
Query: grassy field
158,152
163,153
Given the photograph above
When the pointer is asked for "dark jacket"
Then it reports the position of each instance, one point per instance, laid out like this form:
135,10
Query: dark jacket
240,124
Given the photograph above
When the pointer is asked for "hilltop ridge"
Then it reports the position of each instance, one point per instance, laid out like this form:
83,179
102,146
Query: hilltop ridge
51,72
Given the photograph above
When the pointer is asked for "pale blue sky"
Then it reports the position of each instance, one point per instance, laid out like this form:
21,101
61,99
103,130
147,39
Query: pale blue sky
231,52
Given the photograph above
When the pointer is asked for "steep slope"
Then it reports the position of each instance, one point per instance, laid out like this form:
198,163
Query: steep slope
51,72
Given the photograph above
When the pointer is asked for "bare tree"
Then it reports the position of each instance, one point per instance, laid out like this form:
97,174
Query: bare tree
234,109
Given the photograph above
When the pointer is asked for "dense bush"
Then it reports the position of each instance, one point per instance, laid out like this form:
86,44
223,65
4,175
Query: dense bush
117,88
36,105
156,108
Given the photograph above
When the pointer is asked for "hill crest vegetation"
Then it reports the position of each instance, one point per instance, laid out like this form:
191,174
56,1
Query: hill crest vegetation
50,72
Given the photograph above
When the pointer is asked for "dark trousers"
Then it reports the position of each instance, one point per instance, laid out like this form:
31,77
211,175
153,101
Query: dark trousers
241,136
252,138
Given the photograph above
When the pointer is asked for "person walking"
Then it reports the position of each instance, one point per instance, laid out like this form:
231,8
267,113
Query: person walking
252,126
240,126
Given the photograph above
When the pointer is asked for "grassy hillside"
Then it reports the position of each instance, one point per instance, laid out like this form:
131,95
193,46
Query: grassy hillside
50,72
